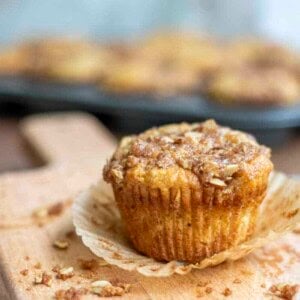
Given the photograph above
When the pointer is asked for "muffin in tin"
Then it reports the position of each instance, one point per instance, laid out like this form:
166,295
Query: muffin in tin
66,59
254,85
201,54
137,75
188,191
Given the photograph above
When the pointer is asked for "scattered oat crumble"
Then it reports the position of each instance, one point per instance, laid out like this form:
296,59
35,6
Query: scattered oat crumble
263,285
61,244
284,291
227,292
24,272
291,214
104,288
43,278
208,290
64,273
27,257
70,294
42,214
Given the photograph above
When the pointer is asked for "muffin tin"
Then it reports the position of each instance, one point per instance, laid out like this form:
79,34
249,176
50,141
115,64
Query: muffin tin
133,113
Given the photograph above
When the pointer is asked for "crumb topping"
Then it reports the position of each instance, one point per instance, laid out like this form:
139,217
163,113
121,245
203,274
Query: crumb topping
214,153
284,291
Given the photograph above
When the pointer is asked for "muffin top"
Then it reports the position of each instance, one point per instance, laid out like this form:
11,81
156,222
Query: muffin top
255,85
215,154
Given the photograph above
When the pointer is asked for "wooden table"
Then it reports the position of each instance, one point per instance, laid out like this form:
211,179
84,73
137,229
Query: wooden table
15,156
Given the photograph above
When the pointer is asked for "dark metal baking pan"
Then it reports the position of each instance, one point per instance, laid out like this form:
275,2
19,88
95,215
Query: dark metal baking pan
138,109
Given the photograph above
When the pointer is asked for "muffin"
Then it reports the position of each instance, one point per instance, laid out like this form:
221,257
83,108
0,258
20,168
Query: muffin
188,191
66,59
184,50
261,53
136,75
255,85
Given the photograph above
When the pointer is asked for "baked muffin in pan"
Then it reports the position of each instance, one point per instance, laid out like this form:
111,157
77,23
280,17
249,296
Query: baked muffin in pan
136,75
254,85
188,191
66,60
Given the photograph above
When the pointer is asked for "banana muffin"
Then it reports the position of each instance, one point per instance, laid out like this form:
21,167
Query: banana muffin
188,191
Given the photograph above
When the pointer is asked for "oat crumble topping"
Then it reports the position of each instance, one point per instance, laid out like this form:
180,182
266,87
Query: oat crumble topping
214,153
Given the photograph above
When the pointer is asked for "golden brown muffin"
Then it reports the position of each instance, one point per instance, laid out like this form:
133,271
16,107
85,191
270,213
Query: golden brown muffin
12,61
136,75
185,50
66,59
262,53
255,85
188,191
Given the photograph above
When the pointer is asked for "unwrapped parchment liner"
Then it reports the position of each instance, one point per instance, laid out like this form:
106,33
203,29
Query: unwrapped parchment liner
97,221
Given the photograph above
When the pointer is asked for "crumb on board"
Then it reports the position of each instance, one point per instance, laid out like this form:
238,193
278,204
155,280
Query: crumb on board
61,244
263,285
27,257
227,292
284,291
70,294
43,214
24,272
43,278
202,289
104,288
290,214
64,273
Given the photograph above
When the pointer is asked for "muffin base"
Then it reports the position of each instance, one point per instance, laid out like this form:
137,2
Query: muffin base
177,224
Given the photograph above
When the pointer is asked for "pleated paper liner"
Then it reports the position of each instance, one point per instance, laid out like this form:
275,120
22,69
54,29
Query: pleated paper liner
97,221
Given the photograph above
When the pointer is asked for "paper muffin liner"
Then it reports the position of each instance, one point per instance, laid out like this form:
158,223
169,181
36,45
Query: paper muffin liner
97,221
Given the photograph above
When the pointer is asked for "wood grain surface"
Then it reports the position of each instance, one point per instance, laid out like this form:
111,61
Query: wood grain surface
75,147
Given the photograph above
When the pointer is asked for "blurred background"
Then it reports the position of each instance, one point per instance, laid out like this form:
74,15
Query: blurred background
117,19
136,64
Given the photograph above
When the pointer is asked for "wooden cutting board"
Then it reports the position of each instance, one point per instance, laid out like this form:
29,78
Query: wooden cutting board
74,148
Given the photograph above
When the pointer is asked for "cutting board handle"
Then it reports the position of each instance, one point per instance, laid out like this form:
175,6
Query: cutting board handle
63,138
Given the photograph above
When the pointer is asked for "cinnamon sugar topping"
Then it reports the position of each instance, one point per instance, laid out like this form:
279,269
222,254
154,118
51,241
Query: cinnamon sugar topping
214,153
